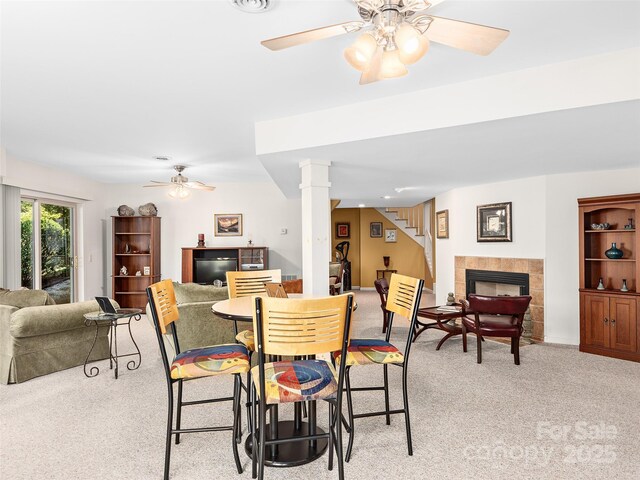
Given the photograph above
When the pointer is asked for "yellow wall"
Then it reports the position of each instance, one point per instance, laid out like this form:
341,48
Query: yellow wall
365,254
351,215
407,256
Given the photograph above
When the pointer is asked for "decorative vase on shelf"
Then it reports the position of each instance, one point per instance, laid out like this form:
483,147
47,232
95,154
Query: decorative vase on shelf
614,252
624,285
386,261
600,284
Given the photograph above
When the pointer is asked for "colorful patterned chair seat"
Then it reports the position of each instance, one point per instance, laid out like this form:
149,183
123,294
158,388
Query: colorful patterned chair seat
297,380
247,339
208,361
364,351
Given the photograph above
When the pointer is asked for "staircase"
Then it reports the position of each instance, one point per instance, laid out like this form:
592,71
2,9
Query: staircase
414,216
416,222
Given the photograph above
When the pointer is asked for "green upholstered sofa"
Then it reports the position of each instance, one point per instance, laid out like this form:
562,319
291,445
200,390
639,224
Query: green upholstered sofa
38,337
198,326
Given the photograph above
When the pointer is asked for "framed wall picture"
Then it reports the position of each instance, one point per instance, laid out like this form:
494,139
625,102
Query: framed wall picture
442,224
227,224
494,222
375,229
390,235
343,229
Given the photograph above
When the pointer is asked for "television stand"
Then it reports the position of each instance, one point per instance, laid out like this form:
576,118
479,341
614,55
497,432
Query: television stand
246,258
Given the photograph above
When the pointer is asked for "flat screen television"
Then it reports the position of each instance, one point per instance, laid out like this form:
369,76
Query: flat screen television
207,270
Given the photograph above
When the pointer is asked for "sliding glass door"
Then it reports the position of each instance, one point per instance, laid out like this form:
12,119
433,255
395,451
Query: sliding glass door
48,248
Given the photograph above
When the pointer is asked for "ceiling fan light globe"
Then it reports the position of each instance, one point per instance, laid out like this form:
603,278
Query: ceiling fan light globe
392,67
179,192
412,45
359,54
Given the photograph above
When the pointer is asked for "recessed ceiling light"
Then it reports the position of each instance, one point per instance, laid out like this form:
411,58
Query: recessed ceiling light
252,6
162,158
386,197
361,205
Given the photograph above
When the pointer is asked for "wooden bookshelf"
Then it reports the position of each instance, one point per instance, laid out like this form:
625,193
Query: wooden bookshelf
136,244
609,321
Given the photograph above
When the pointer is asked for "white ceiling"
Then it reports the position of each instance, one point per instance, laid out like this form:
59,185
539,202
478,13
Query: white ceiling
435,161
101,87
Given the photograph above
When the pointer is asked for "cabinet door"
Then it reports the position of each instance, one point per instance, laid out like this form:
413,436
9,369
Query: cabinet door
623,324
597,320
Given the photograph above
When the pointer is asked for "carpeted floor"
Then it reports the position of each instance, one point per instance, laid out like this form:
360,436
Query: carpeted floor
560,415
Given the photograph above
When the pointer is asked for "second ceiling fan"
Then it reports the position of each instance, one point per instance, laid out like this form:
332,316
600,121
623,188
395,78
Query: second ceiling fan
397,34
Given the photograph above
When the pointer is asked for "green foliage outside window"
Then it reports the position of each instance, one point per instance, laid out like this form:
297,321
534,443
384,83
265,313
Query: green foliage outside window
55,224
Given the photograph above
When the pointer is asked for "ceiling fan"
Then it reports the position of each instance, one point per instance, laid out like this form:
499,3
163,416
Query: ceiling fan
181,184
397,34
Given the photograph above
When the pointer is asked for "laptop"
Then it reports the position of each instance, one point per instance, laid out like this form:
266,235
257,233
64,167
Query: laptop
105,305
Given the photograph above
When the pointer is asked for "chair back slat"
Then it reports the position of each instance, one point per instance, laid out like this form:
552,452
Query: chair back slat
403,294
164,300
301,326
246,284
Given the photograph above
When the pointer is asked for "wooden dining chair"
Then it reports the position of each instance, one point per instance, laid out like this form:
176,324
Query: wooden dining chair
275,290
301,328
403,299
251,282
495,316
214,360
245,284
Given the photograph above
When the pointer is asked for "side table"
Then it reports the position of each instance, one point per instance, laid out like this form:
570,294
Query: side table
112,320
445,320
383,273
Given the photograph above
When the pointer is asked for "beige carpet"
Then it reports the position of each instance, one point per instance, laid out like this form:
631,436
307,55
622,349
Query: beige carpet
560,415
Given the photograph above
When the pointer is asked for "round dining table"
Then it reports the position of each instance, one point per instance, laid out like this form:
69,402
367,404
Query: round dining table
285,454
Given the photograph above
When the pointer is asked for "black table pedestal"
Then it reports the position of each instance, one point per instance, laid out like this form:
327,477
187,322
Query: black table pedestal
293,453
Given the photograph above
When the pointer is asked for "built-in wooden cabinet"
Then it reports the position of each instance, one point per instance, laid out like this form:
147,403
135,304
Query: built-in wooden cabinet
136,246
609,317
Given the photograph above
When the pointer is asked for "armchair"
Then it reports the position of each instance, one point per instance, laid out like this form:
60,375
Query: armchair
495,317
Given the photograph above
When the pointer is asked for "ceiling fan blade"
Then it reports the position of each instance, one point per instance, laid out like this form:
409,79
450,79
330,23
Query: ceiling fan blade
474,38
199,186
159,184
307,36
373,73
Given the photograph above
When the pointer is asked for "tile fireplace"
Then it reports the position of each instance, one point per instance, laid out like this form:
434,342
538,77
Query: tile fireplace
504,276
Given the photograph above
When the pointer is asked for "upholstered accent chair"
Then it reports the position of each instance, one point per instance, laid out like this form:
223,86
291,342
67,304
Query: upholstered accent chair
500,316
382,287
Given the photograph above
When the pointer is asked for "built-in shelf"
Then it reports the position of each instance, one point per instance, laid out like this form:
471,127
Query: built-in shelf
131,254
131,293
608,291
618,230
135,276
133,233
610,259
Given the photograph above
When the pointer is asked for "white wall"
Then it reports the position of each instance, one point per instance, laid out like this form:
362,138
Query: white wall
86,194
264,208
545,225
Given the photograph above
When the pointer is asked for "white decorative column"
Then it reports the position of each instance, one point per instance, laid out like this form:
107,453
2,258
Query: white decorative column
316,226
